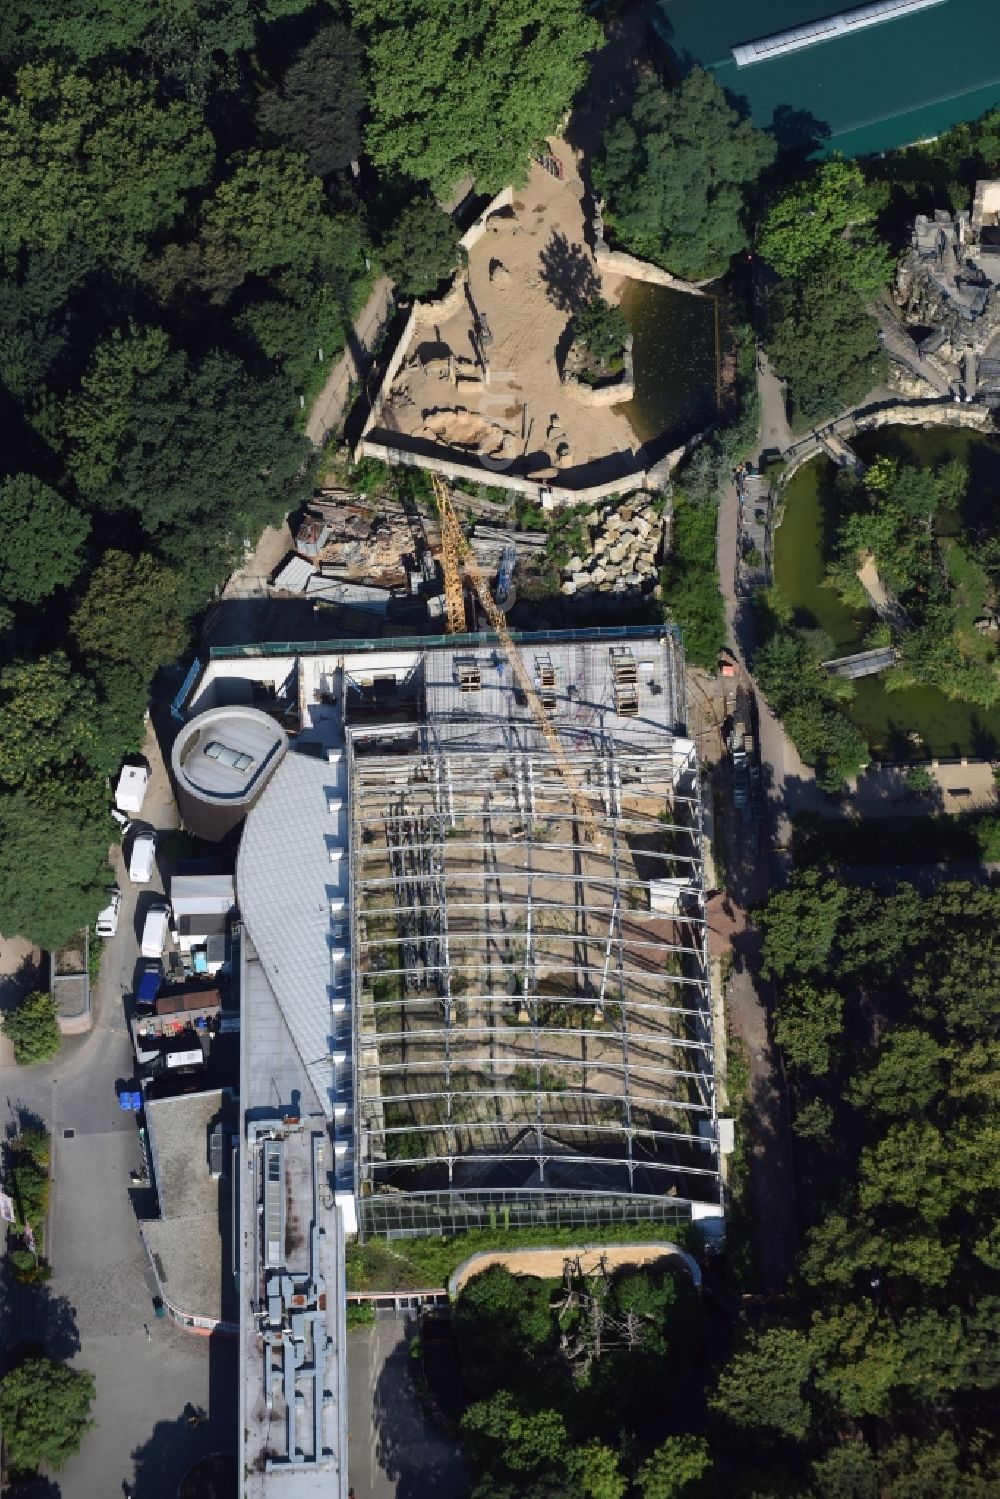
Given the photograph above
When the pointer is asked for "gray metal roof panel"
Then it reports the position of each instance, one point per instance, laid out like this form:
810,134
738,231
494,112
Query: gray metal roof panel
285,881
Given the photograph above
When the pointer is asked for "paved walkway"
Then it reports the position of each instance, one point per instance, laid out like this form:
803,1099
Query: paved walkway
97,1309
790,787
330,405
395,1453
774,429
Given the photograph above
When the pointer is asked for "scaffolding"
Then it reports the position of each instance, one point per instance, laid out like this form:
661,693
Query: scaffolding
532,1017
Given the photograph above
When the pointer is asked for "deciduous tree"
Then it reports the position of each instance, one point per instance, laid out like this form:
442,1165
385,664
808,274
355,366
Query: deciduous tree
675,172
44,1412
316,107
42,538
822,341
129,613
678,1469
824,226
764,1386
184,444
421,248
273,211
53,861
470,89
49,723
102,166
602,328
32,1027
808,1023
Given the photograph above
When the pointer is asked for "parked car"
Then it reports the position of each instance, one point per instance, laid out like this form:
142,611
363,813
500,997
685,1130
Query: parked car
140,866
107,921
154,931
131,788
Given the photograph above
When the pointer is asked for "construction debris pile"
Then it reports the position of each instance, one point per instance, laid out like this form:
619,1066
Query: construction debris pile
625,548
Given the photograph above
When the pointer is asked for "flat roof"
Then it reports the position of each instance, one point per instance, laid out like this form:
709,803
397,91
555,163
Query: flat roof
193,1236
202,887
244,731
876,89
275,1084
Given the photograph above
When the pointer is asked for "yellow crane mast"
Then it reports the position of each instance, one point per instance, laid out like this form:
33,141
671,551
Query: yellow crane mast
455,551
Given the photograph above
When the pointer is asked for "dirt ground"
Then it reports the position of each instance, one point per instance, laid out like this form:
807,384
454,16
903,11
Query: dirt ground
547,1264
528,274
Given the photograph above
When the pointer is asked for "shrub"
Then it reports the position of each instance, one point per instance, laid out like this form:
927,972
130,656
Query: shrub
33,1027
602,329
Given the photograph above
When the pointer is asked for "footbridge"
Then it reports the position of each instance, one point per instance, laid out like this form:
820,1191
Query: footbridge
863,663
840,451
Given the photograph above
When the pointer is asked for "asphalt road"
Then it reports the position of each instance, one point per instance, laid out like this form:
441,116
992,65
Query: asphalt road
98,1307
395,1453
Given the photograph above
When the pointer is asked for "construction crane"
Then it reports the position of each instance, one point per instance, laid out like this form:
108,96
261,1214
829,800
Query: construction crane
456,551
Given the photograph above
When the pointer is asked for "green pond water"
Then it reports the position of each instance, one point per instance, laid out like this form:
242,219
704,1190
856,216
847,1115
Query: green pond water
674,358
946,726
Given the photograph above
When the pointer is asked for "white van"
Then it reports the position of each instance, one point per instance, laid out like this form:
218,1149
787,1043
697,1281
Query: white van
131,789
154,931
140,866
107,921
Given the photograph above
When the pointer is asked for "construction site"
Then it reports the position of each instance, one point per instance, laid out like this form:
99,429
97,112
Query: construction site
530,983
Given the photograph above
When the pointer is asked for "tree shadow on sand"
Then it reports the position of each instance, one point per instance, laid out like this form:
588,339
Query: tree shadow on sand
567,274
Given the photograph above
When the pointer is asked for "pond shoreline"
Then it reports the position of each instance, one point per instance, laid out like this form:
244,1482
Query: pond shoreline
937,415
946,728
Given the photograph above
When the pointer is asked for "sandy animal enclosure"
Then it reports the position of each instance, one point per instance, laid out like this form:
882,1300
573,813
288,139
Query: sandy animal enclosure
527,275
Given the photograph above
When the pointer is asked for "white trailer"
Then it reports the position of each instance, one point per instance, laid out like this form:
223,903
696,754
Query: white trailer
131,789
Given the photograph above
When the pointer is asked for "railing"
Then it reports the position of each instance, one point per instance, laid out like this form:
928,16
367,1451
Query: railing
184,691
429,642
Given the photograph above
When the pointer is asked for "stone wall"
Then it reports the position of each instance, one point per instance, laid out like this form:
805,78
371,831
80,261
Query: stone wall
391,370
475,232
550,496
616,393
619,263
940,412
599,395
931,414
330,405
427,314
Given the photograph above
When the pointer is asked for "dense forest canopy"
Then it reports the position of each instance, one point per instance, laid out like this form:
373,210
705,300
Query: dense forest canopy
888,1008
184,225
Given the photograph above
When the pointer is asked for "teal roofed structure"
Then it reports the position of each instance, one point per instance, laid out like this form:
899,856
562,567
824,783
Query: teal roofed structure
902,77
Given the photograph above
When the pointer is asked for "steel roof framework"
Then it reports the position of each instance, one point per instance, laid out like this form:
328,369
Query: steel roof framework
519,996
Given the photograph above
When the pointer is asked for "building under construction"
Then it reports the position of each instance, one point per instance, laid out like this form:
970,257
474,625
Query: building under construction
530,987
507,1016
